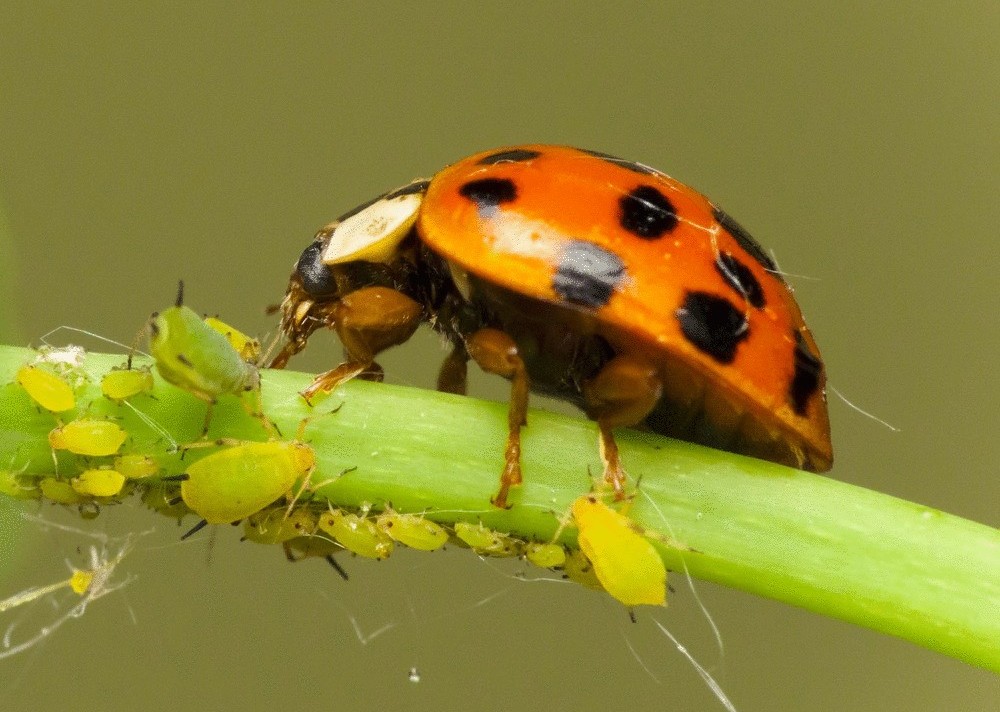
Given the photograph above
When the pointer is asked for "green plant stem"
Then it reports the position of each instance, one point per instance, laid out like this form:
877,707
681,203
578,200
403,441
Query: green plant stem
830,547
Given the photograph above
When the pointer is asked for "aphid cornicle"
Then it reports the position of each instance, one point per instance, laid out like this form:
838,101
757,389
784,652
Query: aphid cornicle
574,273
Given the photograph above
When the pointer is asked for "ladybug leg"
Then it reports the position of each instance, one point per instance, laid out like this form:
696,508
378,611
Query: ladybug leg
368,321
453,376
623,392
495,352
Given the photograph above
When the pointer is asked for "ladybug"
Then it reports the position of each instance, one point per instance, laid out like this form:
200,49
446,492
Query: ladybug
573,273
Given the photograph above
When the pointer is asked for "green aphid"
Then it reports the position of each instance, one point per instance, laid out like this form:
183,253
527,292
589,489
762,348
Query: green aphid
194,356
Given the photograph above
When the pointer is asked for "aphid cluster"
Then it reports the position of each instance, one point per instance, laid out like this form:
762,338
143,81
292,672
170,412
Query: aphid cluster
267,484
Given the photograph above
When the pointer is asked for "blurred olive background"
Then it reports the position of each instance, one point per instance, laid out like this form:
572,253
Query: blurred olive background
858,141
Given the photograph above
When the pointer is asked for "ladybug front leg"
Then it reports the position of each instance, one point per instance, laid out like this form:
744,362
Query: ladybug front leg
623,392
368,321
495,352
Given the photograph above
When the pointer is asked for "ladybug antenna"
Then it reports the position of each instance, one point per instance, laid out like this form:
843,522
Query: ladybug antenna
179,302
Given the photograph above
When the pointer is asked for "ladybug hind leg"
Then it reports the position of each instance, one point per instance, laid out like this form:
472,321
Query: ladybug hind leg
496,352
368,321
622,393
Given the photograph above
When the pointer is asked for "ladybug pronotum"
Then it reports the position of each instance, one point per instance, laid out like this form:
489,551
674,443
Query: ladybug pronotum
573,273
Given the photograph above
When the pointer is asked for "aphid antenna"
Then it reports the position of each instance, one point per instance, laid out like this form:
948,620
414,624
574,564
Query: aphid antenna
64,327
179,302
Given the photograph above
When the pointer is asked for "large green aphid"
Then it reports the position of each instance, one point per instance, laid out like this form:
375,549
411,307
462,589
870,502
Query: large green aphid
192,355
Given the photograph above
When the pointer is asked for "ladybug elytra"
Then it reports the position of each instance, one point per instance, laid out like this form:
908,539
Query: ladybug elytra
573,273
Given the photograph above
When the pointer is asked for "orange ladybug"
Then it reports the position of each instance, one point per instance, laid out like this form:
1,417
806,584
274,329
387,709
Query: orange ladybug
573,273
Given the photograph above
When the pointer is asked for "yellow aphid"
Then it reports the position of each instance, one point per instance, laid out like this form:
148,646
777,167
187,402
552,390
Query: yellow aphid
547,556
625,562
247,348
98,483
87,436
274,527
415,531
59,491
484,540
357,534
80,581
46,389
240,480
120,384
136,467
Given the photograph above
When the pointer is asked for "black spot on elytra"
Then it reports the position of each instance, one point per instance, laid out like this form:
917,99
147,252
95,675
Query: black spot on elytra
588,274
647,213
621,162
419,186
316,277
739,277
805,382
514,155
745,240
489,193
713,325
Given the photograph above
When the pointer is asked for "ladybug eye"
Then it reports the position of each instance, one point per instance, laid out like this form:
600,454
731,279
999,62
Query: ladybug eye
316,277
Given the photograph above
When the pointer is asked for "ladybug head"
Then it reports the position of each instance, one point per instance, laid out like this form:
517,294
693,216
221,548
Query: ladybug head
371,233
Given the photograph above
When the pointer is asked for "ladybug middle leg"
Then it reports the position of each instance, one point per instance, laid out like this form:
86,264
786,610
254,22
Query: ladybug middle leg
622,393
368,321
496,352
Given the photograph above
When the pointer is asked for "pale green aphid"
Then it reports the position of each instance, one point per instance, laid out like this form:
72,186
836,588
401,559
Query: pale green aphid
545,555
194,356
237,481
356,533
485,541
413,530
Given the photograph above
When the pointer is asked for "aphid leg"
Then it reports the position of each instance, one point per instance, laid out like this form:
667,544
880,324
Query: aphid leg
623,393
368,321
196,528
337,567
208,418
495,352
453,376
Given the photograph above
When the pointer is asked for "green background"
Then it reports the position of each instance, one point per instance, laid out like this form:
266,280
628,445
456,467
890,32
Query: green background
858,141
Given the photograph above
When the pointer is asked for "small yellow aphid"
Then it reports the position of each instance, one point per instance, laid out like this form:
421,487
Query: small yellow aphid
98,483
275,526
88,436
357,534
485,541
136,467
546,556
625,562
578,568
59,491
415,531
247,348
240,480
80,581
120,384
46,389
